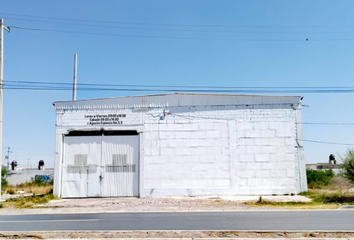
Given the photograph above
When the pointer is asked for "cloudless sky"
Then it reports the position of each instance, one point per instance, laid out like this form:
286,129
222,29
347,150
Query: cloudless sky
250,43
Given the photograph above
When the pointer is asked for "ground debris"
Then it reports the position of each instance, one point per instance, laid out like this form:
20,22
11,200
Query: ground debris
174,234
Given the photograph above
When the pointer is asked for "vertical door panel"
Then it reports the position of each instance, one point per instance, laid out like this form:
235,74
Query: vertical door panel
120,166
81,166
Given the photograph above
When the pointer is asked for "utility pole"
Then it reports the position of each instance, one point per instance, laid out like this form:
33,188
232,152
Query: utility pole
2,27
75,77
8,157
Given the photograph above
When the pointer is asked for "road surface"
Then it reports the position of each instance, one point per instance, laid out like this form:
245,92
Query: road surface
337,220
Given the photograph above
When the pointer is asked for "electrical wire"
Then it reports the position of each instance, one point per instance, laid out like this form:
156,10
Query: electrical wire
304,140
334,143
216,118
187,38
177,38
179,25
174,86
20,87
36,85
318,123
172,30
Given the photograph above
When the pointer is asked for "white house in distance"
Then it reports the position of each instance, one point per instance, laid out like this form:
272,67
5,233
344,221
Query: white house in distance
179,145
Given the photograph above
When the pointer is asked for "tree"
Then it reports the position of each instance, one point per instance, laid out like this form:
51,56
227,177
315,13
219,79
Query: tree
348,165
4,171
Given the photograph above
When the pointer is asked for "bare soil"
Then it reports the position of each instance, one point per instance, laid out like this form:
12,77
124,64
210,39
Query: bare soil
341,183
174,234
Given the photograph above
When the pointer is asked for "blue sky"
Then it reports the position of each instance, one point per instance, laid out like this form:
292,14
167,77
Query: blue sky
273,52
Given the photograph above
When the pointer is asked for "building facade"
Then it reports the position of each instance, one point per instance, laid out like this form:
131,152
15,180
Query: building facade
179,145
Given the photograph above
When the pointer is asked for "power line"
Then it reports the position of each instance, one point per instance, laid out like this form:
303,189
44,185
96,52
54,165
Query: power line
188,38
179,25
28,85
176,86
171,30
177,38
318,123
37,85
233,118
334,143
20,87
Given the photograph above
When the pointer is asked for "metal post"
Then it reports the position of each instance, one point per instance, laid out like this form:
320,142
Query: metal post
75,76
8,157
2,27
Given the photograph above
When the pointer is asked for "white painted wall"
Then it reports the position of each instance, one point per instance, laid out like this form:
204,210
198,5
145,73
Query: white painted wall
18,177
210,157
206,150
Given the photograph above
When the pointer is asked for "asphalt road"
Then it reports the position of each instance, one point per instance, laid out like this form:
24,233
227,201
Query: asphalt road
339,220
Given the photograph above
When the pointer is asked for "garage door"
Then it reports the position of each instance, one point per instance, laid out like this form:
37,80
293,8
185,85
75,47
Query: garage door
100,166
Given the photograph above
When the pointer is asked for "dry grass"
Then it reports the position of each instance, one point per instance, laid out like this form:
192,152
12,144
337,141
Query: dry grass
29,189
41,193
332,196
341,183
27,202
33,187
294,205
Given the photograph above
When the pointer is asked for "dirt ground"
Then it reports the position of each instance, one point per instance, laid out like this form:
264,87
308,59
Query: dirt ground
92,205
132,204
174,234
341,183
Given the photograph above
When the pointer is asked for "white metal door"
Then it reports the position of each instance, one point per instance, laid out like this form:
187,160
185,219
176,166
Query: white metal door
120,162
81,166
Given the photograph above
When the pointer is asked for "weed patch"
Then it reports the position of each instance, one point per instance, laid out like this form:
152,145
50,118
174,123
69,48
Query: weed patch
292,205
318,179
321,199
36,186
28,202
323,196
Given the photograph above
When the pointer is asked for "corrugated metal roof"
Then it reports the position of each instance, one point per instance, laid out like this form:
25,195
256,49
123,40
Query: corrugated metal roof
176,100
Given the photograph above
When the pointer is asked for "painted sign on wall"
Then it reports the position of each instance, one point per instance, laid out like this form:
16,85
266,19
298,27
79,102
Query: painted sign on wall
105,119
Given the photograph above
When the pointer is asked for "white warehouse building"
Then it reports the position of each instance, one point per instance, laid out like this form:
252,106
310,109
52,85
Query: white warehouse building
179,145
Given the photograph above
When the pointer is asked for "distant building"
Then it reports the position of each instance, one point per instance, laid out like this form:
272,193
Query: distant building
179,145
19,176
325,166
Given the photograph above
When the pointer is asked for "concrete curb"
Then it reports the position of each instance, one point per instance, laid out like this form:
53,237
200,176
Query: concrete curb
195,238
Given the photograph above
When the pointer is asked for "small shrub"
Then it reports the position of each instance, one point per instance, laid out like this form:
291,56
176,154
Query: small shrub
4,182
39,181
318,179
348,165
51,182
11,191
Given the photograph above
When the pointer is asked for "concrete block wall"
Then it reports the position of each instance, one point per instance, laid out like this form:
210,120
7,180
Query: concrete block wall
221,151
211,150
184,155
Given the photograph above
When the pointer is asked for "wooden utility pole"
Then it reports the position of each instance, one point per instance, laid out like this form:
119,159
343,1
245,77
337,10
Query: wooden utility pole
2,27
